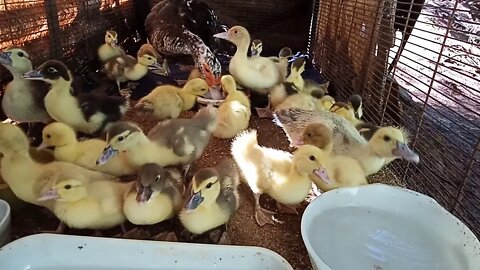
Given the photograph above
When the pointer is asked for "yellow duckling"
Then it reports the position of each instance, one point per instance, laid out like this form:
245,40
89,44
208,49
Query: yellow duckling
156,196
234,113
213,198
168,101
127,68
283,176
84,153
307,86
28,178
351,111
325,103
337,170
255,73
110,48
95,205
171,142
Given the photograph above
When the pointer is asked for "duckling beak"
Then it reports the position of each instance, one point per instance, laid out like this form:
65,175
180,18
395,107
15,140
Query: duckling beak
50,194
106,155
42,146
254,51
156,65
404,152
33,75
322,174
223,35
5,58
194,201
144,194
114,43
298,142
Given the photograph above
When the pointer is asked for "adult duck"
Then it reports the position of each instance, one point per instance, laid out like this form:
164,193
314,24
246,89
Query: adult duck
168,34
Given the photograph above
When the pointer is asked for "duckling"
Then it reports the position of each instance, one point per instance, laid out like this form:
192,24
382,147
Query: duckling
300,100
256,73
283,176
156,196
385,145
95,205
28,178
171,142
213,198
127,68
23,99
282,61
337,170
307,86
367,130
85,112
351,111
325,103
256,48
110,48
84,153
168,101
234,113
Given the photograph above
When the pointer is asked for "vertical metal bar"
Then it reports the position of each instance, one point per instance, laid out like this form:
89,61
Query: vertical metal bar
435,70
312,32
51,12
467,173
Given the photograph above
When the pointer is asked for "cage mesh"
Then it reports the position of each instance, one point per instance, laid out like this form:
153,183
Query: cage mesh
432,90
64,29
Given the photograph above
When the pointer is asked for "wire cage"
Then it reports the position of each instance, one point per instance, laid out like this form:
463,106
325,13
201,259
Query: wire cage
431,87
63,29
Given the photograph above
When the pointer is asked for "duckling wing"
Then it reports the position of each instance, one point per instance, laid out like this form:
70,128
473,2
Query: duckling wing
294,120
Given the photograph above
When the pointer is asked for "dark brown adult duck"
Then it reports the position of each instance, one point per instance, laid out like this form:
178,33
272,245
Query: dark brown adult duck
167,32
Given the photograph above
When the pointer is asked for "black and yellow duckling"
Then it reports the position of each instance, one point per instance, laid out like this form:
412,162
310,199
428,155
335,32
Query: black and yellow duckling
212,198
351,111
256,48
23,99
84,112
156,196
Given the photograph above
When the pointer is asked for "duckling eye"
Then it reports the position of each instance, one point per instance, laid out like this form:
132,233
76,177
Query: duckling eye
48,136
52,70
157,178
21,54
386,138
209,185
312,158
309,135
120,138
68,186
235,31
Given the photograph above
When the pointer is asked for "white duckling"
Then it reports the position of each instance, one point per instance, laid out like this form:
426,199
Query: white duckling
285,177
255,73
85,112
110,49
84,153
23,99
234,113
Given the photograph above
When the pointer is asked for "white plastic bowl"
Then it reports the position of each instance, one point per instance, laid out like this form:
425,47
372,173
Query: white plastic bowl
66,252
380,227
5,221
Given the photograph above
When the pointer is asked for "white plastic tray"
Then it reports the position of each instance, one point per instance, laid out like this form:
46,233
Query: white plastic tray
380,227
64,252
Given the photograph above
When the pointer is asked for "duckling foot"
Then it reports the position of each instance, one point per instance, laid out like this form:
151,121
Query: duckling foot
264,112
224,239
136,233
98,233
166,236
264,216
59,230
286,209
